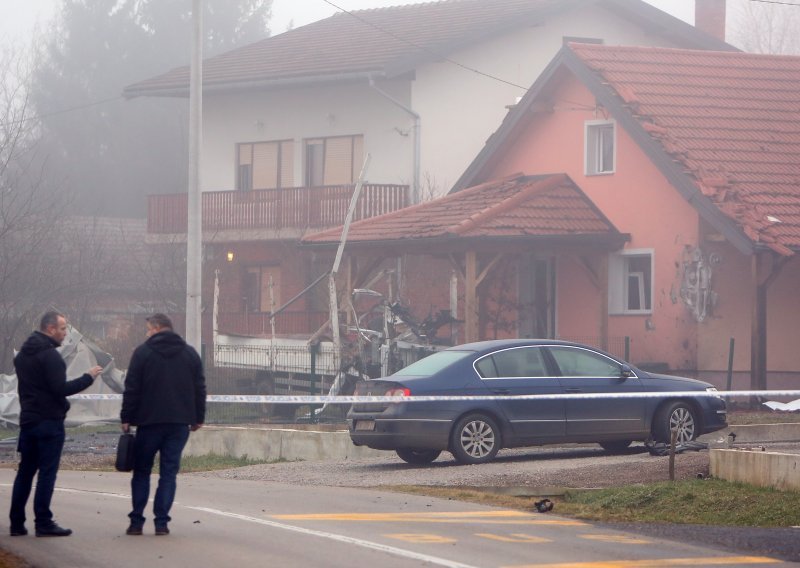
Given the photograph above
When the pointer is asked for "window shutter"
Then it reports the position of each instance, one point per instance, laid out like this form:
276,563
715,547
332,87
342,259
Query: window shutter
338,160
358,157
265,165
287,164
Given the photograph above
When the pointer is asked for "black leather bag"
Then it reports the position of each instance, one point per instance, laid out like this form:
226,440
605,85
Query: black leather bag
125,452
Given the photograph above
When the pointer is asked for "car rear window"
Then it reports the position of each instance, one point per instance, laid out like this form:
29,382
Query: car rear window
432,363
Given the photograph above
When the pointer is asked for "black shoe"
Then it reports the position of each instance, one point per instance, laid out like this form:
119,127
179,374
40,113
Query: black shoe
53,530
18,531
161,531
134,530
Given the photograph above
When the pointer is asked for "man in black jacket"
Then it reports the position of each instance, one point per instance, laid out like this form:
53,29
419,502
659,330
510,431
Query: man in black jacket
165,397
43,390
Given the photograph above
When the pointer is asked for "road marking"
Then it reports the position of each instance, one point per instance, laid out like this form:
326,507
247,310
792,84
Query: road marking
516,537
339,538
422,538
659,562
484,517
620,538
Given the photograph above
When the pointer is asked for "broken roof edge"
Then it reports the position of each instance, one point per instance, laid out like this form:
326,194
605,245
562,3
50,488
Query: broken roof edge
605,241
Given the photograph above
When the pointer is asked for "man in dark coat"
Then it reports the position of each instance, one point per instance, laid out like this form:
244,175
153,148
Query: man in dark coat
165,398
43,390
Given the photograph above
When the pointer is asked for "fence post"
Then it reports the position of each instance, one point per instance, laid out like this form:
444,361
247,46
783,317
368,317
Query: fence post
627,349
730,362
314,349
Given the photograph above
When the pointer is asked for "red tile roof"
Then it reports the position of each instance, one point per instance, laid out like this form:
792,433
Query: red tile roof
517,206
390,41
731,120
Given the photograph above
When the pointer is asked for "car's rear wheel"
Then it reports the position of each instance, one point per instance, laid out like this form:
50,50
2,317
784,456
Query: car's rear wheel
616,446
475,439
678,416
410,455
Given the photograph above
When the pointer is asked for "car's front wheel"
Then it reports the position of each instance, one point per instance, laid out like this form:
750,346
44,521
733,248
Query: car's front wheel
410,455
475,439
678,416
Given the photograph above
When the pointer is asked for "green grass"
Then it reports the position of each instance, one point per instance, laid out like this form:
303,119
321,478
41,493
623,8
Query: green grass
696,501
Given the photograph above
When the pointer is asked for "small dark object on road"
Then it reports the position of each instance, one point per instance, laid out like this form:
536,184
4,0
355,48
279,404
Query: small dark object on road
544,505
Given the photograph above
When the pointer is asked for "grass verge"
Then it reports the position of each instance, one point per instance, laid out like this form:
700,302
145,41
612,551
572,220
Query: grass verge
696,501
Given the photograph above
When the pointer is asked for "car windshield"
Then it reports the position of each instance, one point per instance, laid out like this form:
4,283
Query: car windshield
432,363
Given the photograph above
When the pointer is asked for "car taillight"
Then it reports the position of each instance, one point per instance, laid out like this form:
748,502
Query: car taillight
399,391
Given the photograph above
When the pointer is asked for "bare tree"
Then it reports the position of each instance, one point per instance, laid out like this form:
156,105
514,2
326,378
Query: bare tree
29,247
760,27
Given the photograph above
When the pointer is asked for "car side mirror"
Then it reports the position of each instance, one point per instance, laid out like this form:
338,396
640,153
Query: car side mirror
626,372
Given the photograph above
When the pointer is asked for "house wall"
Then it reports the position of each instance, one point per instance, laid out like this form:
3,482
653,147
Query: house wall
460,108
637,200
310,112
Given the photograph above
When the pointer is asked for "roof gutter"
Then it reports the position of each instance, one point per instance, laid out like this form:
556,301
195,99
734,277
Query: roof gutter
183,90
415,197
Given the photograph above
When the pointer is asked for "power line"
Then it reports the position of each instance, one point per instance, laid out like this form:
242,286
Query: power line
776,2
422,47
62,111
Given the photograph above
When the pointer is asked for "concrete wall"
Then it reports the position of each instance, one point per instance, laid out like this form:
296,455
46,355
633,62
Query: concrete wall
766,469
276,444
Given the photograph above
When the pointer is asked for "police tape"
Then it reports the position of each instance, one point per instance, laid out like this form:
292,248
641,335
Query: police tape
352,399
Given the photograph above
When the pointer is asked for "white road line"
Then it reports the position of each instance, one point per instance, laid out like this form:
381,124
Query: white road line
339,538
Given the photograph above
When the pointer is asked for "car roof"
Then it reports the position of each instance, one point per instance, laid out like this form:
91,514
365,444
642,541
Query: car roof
495,344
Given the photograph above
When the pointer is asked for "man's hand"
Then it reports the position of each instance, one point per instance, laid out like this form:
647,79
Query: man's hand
196,427
125,427
95,371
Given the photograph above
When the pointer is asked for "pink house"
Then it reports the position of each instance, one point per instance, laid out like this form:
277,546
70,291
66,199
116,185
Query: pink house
696,155
692,161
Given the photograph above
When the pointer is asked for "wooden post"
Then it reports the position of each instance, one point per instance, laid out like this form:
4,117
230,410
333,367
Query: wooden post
602,277
673,436
471,297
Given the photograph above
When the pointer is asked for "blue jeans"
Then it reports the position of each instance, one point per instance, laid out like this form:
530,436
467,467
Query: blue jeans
168,440
40,446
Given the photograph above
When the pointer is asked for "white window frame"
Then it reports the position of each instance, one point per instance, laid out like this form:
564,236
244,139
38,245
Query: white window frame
594,144
619,276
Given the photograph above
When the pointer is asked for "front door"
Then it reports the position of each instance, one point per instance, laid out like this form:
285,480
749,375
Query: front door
537,284
585,371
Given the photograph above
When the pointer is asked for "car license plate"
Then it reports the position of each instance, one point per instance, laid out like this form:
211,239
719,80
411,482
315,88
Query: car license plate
365,425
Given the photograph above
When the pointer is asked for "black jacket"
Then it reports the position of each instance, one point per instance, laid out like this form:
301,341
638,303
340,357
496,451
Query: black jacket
42,380
164,383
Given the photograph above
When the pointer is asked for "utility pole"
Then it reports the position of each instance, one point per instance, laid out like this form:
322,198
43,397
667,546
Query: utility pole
194,228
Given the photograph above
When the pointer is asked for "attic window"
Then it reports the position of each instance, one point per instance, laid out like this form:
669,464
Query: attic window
600,147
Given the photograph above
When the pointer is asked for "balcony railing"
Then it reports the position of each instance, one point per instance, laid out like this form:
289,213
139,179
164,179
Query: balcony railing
286,208
258,324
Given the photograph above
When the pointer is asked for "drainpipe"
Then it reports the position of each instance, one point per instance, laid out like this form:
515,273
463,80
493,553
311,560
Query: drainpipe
415,197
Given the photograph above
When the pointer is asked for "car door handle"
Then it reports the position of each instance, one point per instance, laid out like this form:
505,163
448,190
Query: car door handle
501,391
572,390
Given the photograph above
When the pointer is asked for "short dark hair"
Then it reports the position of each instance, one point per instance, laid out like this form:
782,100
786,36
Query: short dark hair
49,318
160,320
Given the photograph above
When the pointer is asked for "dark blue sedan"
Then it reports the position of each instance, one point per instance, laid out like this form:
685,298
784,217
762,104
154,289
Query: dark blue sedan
596,407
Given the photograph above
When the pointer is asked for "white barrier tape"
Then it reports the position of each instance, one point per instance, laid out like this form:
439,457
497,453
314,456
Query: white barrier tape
328,399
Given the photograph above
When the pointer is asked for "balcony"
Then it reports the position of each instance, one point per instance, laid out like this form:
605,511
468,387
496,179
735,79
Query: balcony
257,324
270,213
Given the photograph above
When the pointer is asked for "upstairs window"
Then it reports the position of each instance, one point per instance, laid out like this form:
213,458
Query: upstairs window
630,282
333,161
600,147
265,165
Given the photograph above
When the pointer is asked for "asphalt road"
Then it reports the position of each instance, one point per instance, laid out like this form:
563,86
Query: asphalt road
219,522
